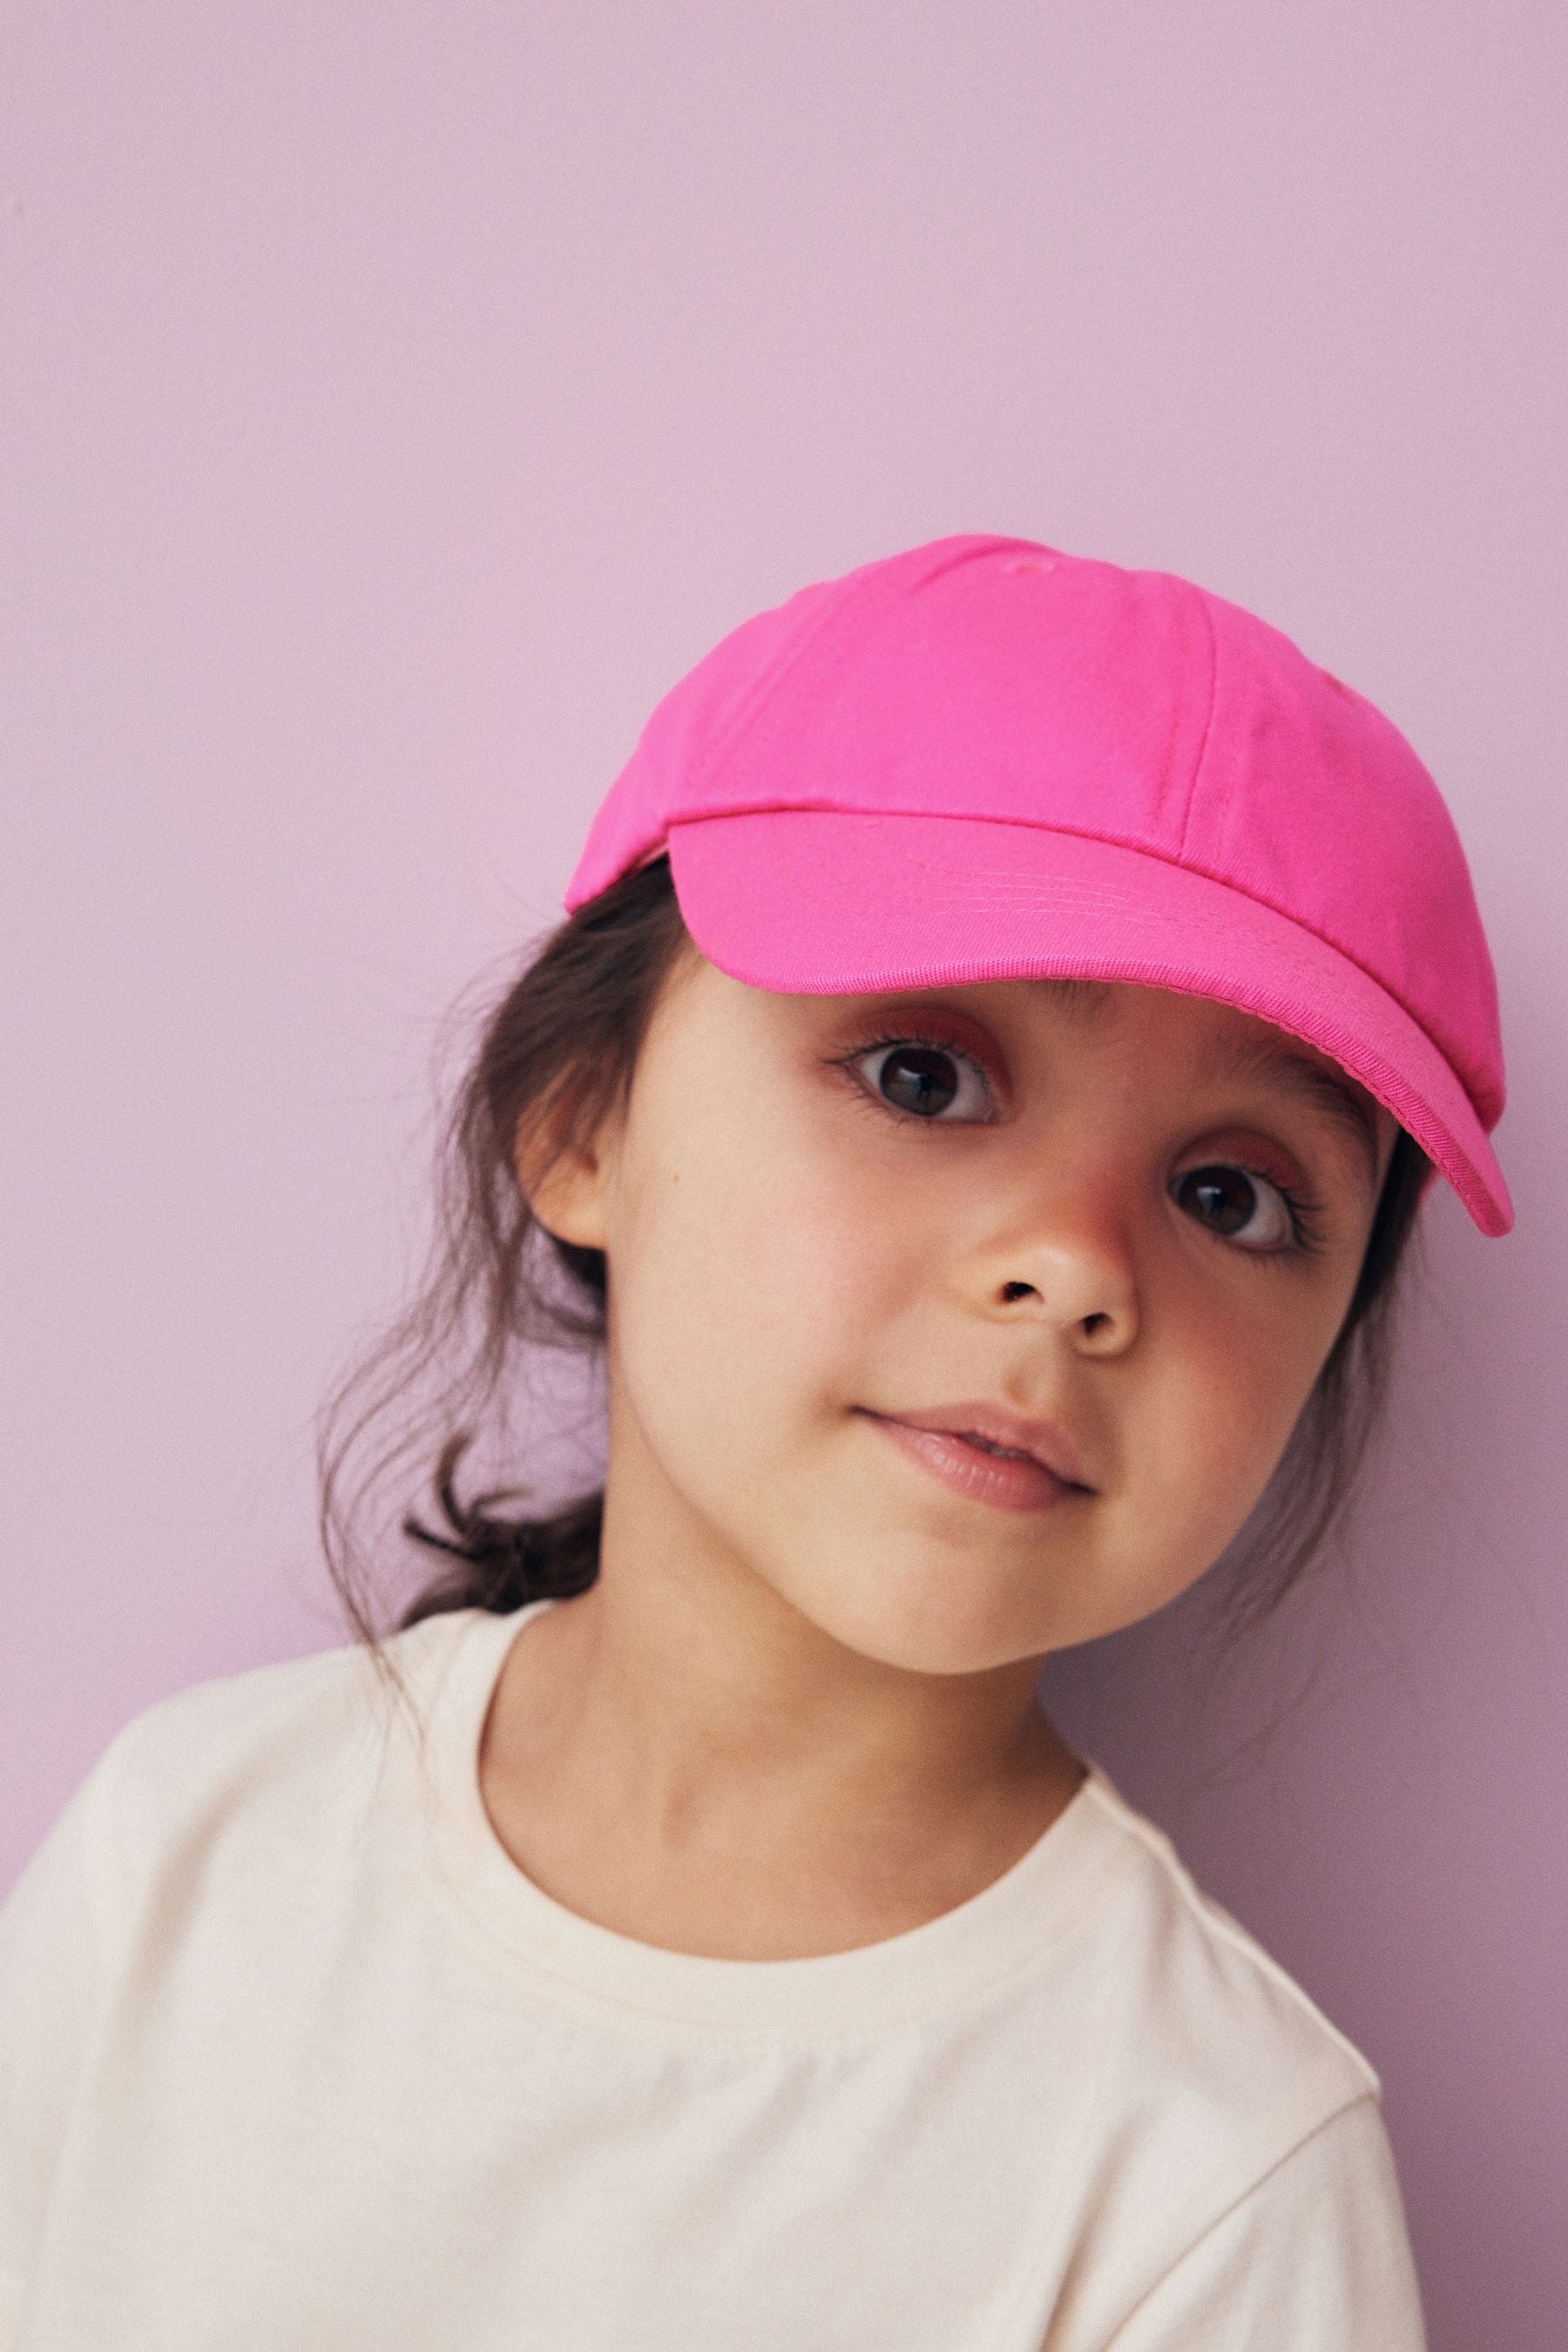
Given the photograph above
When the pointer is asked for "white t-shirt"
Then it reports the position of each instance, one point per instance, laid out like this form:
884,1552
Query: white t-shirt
293,2056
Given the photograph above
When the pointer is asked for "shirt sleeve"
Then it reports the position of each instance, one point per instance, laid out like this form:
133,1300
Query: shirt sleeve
1316,2258
50,1943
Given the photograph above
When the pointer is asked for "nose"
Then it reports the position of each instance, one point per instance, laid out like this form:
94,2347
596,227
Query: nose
1071,1267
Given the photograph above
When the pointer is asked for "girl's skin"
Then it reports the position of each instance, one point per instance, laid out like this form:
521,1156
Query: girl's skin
796,1712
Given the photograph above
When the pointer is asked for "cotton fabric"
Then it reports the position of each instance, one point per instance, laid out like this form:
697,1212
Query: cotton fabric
292,2054
985,758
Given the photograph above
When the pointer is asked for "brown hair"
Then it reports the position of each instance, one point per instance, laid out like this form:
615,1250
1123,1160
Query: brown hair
561,1048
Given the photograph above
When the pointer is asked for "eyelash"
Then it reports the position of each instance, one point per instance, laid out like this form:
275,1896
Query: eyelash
1305,1215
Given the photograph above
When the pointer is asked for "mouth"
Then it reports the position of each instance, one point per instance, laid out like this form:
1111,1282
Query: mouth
989,1454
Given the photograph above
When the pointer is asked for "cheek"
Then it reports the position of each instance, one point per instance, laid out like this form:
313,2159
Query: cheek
742,1270
1232,1387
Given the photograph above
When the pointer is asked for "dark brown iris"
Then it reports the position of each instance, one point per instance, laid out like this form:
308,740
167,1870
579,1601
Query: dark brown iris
920,1078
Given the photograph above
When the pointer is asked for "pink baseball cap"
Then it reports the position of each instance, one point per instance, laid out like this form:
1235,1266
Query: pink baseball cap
983,759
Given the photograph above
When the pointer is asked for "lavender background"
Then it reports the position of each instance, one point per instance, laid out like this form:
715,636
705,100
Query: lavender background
397,399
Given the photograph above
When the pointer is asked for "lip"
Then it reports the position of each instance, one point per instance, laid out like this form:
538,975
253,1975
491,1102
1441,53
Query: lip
941,1441
999,1425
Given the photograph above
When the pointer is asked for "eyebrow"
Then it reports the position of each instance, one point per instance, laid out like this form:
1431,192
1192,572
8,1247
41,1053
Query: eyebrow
1083,997
1311,1084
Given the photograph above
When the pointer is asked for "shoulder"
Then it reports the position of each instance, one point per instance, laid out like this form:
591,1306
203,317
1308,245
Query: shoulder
1193,1982
284,1752
1210,2085
1204,2041
1193,1990
327,1695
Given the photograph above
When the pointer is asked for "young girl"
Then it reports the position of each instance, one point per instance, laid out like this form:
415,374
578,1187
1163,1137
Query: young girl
1010,1010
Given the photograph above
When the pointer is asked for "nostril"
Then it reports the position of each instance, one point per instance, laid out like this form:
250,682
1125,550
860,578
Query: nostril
1018,1290
1094,1323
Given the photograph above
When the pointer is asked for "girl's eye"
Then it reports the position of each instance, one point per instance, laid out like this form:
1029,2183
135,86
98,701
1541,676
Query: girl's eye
925,1079
1243,1207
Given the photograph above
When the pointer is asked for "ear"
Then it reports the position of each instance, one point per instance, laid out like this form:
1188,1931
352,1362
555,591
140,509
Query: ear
565,1183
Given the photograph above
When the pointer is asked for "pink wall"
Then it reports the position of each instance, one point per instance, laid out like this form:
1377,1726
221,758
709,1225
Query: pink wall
399,397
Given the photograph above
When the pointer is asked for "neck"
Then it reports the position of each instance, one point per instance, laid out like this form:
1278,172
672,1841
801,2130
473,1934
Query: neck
682,1754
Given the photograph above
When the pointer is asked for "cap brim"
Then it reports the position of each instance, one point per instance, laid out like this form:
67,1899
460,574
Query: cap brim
829,902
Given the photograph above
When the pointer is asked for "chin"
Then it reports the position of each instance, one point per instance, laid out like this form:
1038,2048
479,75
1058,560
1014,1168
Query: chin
932,1631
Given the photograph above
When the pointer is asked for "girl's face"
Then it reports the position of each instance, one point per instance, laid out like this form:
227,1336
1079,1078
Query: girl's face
1133,1217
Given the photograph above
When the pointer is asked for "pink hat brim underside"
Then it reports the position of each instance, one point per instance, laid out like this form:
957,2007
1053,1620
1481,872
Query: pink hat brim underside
835,902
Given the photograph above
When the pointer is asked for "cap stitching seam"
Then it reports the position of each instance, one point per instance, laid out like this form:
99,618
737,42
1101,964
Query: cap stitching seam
874,592
763,684
1208,723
